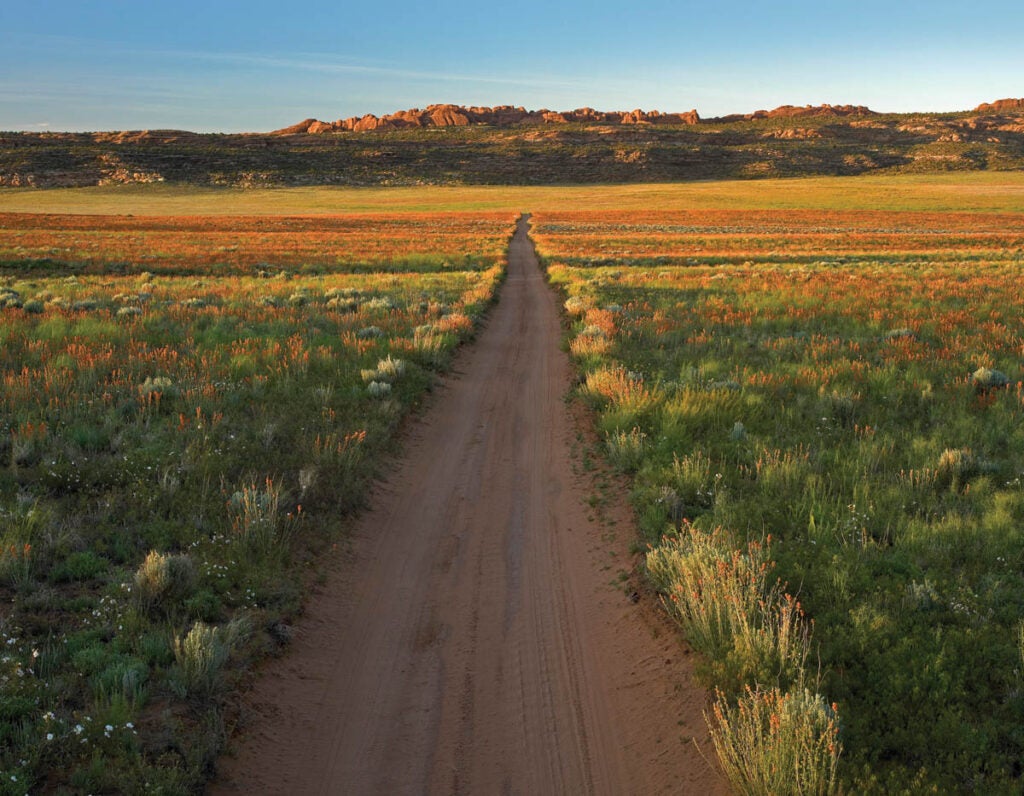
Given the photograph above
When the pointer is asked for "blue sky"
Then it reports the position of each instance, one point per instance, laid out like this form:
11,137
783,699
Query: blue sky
235,66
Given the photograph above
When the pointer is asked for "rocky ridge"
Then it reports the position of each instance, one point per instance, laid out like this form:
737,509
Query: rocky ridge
511,145
512,116
498,116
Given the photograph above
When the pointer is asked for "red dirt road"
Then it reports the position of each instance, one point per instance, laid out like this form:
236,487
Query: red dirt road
475,644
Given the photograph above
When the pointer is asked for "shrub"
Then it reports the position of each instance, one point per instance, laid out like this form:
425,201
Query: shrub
16,564
956,466
620,388
202,654
163,581
584,345
988,379
771,743
10,299
378,304
343,305
626,449
577,305
730,609
387,370
84,565
378,389
21,528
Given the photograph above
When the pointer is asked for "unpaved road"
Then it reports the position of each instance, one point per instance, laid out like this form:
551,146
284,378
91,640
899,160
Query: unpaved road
474,643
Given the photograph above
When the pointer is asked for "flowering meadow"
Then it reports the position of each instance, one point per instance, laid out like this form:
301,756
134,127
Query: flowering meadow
822,413
189,408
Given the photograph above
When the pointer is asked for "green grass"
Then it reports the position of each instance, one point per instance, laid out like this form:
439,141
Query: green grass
838,423
169,480
827,404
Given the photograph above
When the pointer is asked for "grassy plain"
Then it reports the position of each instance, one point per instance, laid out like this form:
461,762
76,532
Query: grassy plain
821,406
791,358
190,406
969,192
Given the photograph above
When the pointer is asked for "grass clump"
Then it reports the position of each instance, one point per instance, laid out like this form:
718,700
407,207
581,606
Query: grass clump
258,520
772,742
731,608
626,448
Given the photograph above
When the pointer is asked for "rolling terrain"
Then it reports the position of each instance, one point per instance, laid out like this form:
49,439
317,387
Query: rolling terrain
452,145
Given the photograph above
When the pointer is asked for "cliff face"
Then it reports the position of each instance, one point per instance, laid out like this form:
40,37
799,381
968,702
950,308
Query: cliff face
499,116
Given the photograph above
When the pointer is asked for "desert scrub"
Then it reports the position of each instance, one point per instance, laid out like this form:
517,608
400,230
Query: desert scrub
626,448
162,582
988,379
732,608
771,742
258,518
387,370
577,305
201,655
955,467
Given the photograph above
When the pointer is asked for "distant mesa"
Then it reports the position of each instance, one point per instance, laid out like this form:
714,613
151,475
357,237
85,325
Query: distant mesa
498,116
1001,106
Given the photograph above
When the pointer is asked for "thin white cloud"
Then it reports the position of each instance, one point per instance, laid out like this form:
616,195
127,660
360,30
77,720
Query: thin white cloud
307,62
313,62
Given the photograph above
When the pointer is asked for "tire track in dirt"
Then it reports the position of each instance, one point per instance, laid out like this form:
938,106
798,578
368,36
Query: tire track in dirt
474,643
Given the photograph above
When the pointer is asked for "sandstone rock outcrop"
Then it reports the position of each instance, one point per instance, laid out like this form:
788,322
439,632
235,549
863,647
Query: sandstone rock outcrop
1001,106
793,111
499,116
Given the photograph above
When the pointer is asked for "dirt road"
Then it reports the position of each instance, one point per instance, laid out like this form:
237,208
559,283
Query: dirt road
475,644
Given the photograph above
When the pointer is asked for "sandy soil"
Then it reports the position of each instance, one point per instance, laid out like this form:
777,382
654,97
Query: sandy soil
475,642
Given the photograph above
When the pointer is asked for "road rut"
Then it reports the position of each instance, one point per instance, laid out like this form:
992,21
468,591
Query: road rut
475,642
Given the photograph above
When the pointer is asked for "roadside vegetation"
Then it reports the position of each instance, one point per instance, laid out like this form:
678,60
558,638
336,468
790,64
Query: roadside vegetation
189,409
821,412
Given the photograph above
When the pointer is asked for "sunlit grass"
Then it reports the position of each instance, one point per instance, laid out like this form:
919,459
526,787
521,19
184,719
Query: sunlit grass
178,447
845,378
962,192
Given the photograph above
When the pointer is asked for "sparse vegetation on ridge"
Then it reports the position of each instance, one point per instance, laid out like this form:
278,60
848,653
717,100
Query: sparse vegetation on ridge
603,150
